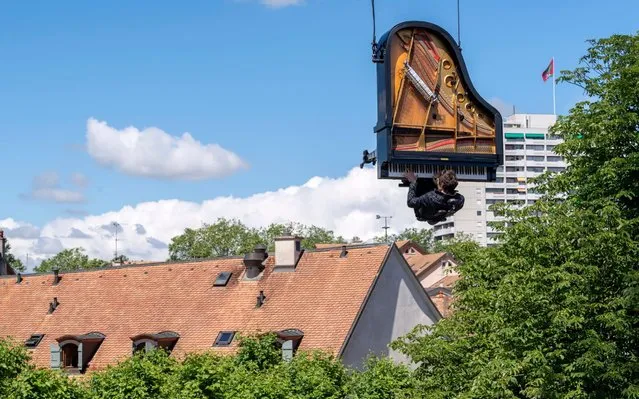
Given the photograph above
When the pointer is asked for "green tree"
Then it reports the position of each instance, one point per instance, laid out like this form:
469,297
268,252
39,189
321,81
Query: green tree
462,246
223,238
15,263
422,237
70,259
553,311
231,237
19,379
142,376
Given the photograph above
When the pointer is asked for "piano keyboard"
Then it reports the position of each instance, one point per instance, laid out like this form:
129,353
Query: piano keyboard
468,173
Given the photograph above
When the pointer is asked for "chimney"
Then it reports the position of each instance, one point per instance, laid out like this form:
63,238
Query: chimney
288,250
260,299
253,262
4,270
56,277
53,305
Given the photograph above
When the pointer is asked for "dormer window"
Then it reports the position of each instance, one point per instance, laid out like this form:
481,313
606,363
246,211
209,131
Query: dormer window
164,340
73,353
289,340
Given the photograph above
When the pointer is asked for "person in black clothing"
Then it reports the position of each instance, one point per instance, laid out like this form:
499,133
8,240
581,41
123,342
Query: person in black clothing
434,200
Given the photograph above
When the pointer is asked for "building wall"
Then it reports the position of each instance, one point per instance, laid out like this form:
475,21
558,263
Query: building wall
437,272
528,152
395,306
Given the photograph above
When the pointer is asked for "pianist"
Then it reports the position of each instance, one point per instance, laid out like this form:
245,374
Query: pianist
434,200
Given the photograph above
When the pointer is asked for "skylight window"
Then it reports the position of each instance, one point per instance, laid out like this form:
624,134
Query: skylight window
222,279
33,341
224,338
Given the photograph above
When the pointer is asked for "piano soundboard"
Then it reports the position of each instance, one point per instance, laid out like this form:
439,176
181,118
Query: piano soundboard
464,173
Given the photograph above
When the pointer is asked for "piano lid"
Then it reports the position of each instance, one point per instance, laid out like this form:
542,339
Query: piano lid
427,103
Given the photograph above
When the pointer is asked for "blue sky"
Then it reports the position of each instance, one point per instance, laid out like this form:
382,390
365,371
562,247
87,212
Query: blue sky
290,89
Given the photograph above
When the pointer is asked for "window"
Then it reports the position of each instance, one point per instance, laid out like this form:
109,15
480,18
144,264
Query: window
224,338
165,340
478,213
289,340
33,341
554,158
535,147
222,279
536,158
70,355
514,147
73,353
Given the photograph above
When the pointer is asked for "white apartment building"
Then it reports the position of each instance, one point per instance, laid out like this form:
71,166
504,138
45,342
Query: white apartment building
528,152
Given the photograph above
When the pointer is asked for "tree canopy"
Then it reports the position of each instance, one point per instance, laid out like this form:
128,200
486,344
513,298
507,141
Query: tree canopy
422,237
15,263
69,260
256,371
228,237
553,311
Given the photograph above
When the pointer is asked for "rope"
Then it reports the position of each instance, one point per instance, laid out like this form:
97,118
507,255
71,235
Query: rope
374,44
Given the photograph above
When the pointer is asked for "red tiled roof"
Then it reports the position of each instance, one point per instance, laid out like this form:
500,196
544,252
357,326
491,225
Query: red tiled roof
420,263
328,245
446,282
322,298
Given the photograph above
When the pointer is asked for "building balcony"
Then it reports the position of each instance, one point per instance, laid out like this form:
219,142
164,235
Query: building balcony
495,185
540,164
514,173
518,196
514,152
553,141
536,152
519,162
444,232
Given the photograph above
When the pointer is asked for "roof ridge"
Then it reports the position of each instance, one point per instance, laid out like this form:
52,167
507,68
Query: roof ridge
185,261
118,267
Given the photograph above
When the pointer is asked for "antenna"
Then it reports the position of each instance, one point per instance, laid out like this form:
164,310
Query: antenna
386,227
116,225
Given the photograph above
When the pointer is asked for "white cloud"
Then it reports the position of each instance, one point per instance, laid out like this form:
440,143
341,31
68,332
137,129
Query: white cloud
46,187
281,3
347,205
154,153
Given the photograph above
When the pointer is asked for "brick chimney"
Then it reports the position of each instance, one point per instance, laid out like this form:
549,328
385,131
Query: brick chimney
288,249
4,267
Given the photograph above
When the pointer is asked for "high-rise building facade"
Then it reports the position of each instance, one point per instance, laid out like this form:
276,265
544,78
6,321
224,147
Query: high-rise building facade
528,152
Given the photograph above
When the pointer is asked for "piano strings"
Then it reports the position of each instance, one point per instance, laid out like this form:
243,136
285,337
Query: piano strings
429,115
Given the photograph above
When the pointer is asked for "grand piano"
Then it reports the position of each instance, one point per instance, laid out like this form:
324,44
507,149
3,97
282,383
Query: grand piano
430,117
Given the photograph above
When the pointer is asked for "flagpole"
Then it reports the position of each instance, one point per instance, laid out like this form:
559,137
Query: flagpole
554,111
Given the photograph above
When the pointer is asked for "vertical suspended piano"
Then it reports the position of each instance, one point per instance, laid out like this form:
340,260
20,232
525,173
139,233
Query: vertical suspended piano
430,117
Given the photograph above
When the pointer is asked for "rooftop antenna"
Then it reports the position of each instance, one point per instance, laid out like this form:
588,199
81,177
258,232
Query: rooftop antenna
386,227
116,225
